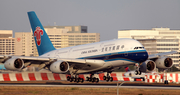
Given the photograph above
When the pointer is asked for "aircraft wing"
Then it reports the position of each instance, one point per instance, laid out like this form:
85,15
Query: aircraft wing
42,62
84,64
3,58
158,55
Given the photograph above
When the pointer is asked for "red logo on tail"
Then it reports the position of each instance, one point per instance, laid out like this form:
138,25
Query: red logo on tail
38,33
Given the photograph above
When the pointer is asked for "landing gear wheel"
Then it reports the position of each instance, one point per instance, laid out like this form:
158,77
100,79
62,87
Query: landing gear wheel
75,79
166,82
111,79
90,79
97,80
104,77
87,78
71,79
107,79
81,80
68,78
78,80
94,79
136,72
139,72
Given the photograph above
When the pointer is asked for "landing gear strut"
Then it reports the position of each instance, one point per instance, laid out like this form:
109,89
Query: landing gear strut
137,72
92,79
108,78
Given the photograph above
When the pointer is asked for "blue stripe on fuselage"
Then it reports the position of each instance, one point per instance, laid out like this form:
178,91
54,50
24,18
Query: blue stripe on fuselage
135,56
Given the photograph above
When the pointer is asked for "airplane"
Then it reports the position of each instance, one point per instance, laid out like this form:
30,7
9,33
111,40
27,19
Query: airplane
104,56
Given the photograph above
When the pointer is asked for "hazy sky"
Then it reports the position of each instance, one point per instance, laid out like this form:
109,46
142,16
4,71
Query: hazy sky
101,16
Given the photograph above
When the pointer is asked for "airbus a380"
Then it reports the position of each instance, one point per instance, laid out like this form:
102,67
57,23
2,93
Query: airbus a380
98,57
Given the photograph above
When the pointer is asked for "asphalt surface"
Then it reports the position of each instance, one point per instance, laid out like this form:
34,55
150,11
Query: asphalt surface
96,85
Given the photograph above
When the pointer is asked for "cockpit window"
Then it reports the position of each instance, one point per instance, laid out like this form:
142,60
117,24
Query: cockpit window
139,48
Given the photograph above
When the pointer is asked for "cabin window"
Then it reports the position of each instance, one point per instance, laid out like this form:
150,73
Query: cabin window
117,47
106,49
102,49
122,46
109,48
113,47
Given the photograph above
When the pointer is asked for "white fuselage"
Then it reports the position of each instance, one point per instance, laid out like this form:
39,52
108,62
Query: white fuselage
115,53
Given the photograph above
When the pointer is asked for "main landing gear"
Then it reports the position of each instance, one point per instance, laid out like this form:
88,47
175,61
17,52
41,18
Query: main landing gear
75,79
92,79
137,72
108,78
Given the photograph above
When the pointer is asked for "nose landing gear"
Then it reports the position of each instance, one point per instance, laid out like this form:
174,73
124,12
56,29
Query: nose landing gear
137,72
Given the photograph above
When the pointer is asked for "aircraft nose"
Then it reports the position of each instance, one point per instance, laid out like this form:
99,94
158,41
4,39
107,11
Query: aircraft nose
146,55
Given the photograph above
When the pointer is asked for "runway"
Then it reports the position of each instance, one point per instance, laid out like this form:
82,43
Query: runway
88,85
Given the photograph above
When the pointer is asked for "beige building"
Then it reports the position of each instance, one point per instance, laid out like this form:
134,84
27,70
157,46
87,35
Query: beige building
7,42
157,40
67,29
25,44
65,36
60,38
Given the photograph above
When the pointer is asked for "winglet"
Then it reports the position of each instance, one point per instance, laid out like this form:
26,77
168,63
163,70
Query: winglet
42,40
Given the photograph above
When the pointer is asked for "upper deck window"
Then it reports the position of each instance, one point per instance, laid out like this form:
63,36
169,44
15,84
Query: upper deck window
102,49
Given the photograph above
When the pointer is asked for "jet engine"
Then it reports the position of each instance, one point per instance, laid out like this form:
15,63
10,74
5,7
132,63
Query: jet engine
14,64
164,63
59,67
147,66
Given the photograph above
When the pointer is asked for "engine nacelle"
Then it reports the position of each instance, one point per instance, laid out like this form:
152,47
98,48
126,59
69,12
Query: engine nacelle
59,67
14,64
147,66
164,62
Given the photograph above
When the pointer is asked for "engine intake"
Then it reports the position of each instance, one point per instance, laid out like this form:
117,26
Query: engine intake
18,63
59,66
168,62
14,64
150,65
164,62
64,66
147,66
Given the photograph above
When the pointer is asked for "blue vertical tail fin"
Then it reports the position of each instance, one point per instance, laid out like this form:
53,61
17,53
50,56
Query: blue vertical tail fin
42,40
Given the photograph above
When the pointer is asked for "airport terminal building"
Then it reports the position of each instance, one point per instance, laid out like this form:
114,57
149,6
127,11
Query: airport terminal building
156,40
